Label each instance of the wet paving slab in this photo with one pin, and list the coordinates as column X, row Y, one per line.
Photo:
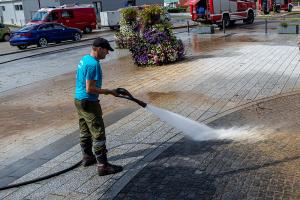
column 34, row 107
column 263, row 165
column 209, row 82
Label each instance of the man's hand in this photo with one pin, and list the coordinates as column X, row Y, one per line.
column 113, row 92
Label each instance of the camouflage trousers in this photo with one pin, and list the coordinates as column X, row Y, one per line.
column 91, row 125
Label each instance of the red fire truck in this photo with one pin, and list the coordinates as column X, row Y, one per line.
column 275, row 5
column 217, row 11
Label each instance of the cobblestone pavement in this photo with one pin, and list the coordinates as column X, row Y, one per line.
column 263, row 166
column 200, row 88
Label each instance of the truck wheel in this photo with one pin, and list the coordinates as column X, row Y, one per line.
column 226, row 21
column 43, row 42
column 22, row 47
column 232, row 22
column 87, row 30
column 250, row 18
column 77, row 37
column 6, row 37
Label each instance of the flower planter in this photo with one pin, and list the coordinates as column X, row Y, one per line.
column 205, row 29
column 289, row 29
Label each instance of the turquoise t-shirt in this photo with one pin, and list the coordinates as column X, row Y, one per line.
column 88, row 69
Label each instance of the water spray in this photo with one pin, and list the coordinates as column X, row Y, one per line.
column 191, row 129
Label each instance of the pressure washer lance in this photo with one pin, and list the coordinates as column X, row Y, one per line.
column 122, row 93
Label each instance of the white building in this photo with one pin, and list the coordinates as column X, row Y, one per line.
column 19, row 12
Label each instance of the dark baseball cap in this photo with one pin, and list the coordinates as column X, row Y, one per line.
column 103, row 43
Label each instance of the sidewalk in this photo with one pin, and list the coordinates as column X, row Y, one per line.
column 200, row 88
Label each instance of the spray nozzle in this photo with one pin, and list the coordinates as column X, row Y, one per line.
column 123, row 93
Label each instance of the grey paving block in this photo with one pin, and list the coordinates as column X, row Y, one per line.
column 39, row 172
column 23, row 191
column 5, row 193
column 93, row 184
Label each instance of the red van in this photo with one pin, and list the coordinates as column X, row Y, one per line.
column 83, row 18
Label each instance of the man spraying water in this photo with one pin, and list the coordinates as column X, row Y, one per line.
column 88, row 88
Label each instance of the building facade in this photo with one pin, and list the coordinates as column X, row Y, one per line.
column 171, row 3
column 19, row 12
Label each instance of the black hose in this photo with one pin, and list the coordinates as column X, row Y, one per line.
column 41, row 178
column 122, row 93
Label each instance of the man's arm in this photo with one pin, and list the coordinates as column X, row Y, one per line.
column 92, row 89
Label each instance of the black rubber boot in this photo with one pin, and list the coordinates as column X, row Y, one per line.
column 88, row 158
column 105, row 168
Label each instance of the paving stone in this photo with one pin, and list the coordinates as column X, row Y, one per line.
column 22, row 192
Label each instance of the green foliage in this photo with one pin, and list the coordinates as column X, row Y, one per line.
column 177, row 10
column 129, row 28
column 284, row 24
column 151, row 15
column 129, row 14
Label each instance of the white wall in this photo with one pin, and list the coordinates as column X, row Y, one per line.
column 12, row 16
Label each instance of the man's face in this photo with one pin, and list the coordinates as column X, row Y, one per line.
column 101, row 53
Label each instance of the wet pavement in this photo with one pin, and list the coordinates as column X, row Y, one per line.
column 220, row 73
column 263, row 166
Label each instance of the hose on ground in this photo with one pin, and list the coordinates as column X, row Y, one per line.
column 41, row 178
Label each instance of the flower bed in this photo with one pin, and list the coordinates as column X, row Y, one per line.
column 129, row 28
column 157, row 47
column 152, row 42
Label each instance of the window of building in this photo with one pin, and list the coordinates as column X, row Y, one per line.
column 67, row 14
column 3, row 8
column 98, row 6
column 18, row 7
column 131, row 3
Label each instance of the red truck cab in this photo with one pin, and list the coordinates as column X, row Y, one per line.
column 269, row 5
column 83, row 18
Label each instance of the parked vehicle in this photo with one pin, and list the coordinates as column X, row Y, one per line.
column 83, row 18
column 42, row 34
column 110, row 19
column 4, row 32
column 219, row 11
column 275, row 5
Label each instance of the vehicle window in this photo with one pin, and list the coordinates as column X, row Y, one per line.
column 39, row 16
column 28, row 28
column 54, row 16
column 58, row 26
column 67, row 14
column 46, row 27
column 1, row 25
